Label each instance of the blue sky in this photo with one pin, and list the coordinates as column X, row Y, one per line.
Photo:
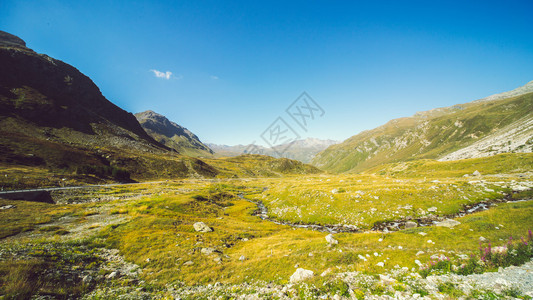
column 237, row 65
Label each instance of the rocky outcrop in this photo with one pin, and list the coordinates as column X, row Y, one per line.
column 172, row 135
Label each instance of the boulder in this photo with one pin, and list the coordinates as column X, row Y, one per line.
column 207, row 251
column 113, row 275
column 301, row 275
column 448, row 223
column 476, row 173
column 201, row 227
column 331, row 240
column 410, row 224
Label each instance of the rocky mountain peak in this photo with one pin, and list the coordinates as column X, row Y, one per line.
column 10, row 40
column 171, row 134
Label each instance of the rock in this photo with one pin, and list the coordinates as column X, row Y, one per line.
column 326, row 272
column 420, row 253
column 410, row 224
column 242, row 258
column 113, row 275
column 201, row 227
column 331, row 240
column 207, row 251
column 418, row 262
column 380, row 264
column 386, row 279
column 301, row 275
column 422, row 233
column 188, row 263
column 476, row 173
column 87, row 279
column 432, row 209
column 7, row 206
column 334, row 191
column 482, row 239
column 217, row 259
column 448, row 223
column 361, row 257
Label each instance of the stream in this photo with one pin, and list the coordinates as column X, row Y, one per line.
column 388, row 226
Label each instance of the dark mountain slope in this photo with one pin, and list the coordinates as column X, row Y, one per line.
column 172, row 135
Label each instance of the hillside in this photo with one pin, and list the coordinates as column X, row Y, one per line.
column 56, row 128
column 488, row 127
column 301, row 150
column 172, row 135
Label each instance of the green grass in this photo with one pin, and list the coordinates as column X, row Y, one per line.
column 429, row 135
column 157, row 231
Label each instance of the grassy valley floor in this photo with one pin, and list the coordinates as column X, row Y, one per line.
column 139, row 241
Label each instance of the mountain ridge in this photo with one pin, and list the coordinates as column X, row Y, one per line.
column 301, row 150
column 433, row 134
column 171, row 134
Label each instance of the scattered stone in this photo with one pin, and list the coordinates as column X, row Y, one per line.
column 361, row 257
column 380, row 264
column 420, row 253
column 207, row 251
column 7, row 207
column 217, row 259
column 326, row 272
column 410, row 224
column 476, row 173
column 448, row 223
column 482, row 239
column 202, row 227
column 432, row 209
column 418, row 262
column 188, row 263
column 113, row 275
column 386, row 279
column 242, row 258
column 331, row 240
column 87, row 279
column 334, row 191
column 422, row 233
column 301, row 275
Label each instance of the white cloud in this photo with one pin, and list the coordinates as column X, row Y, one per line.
column 214, row 77
column 166, row 75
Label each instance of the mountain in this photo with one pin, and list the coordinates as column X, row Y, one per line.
column 496, row 124
column 301, row 150
column 172, row 135
column 56, row 128
column 52, row 115
column 525, row 89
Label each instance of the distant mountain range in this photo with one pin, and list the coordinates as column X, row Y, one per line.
column 302, row 150
column 500, row 123
column 172, row 135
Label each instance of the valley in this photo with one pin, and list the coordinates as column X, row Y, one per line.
column 100, row 203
